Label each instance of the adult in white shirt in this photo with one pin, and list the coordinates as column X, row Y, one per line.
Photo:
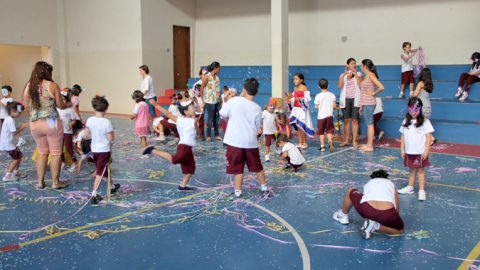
column 378, row 204
column 245, row 118
column 147, row 89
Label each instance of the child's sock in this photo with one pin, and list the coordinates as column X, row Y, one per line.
column 15, row 172
column 238, row 193
column 264, row 187
column 376, row 227
column 94, row 193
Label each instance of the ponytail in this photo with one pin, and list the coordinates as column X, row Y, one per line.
column 370, row 66
column 213, row 66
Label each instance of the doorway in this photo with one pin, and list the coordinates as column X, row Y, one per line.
column 181, row 56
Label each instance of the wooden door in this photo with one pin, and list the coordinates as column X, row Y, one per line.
column 181, row 56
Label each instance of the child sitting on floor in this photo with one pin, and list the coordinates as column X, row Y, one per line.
column 14, row 109
column 378, row 204
column 101, row 131
column 290, row 153
column 186, row 126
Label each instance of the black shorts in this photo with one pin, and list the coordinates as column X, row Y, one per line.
column 350, row 111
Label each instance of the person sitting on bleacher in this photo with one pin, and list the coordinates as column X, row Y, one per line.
column 468, row 78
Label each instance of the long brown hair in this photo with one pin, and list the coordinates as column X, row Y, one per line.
column 41, row 71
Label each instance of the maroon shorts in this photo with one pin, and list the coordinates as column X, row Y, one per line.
column 415, row 161
column 268, row 139
column 184, row 156
column 237, row 157
column 293, row 165
column 15, row 154
column 101, row 161
column 407, row 77
column 389, row 217
column 168, row 125
column 325, row 125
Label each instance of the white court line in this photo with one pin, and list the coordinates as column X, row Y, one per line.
column 331, row 154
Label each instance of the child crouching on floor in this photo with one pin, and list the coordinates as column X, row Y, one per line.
column 290, row 153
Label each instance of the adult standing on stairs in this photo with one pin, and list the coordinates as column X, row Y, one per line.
column 147, row 89
column 210, row 92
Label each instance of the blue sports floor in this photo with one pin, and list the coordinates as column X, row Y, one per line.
column 150, row 225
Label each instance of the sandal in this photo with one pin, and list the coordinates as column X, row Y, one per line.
column 59, row 185
column 218, row 138
column 39, row 186
column 343, row 144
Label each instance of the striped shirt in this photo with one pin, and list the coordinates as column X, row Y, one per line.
column 365, row 97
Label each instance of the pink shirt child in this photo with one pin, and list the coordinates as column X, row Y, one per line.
column 142, row 128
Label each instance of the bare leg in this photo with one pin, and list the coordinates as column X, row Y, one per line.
column 354, row 132
column 143, row 141
column 185, row 179
column 261, row 177
column 322, row 139
column 402, row 87
column 389, row 230
column 13, row 165
column 347, row 203
column 267, row 150
column 411, row 178
column 347, row 131
column 421, row 178
column 369, row 146
column 411, row 87
column 162, row 154
column 238, row 178
column 41, row 166
column 55, row 165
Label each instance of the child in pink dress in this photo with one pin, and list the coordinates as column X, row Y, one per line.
column 140, row 114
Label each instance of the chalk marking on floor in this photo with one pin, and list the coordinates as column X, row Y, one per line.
column 472, row 256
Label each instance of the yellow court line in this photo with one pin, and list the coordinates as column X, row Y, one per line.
column 472, row 256
column 453, row 186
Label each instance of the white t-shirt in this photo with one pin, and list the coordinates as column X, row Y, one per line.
column 6, row 136
column 475, row 68
column 156, row 121
column 147, row 87
column 379, row 189
column 186, row 130
column 415, row 138
column 81, row 136
column 67, row 116
column 325, row 101
column 269, row 125
column 407, row 66
column 174, row 110
column 3, row 107
column 379, row 107
column 99, row 128
column 244, row 121
column 296, row 157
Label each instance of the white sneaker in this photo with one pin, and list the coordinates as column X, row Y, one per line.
column 9, row 177
column 267, row 158
column 341, row 217
column 464, row 96
column 380, row 135
column 459, row 92
column 411, row 94
column 400, row 95
column 369, row 226
column 422, row 196
column 73, row 168
column 21, row 142
column 406, row 190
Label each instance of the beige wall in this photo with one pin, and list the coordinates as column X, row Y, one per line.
column 374, row 28
column 105, row 50
column 158, row 19
column 33, row 23
column 16, row 63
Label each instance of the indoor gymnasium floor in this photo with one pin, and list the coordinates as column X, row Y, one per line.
column 150, row 225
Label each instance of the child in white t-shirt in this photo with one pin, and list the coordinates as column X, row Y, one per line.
column 377, row 115
column 415, row 146
column 290, row 153
column 83, row 143
column 14, row 109
column 244, row 117
column 5, row 99
column 100, row 129
column 269, row 128
column 68, row 118
column 186, row 126
column 325, row 102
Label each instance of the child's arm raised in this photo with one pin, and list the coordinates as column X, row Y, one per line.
column 162, row 110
